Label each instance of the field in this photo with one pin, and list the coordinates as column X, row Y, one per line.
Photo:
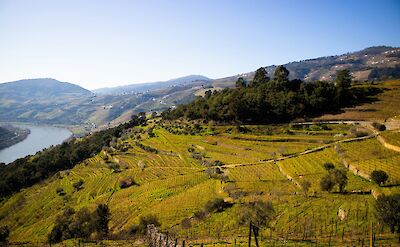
column 177, row 167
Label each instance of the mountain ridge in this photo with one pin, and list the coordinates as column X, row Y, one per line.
column 371, row 63
column 142, row 87
column 41, row 88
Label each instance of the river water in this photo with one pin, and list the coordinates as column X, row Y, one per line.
column 40, row 137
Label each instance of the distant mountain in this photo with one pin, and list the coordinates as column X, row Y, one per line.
column 39, row 88
column 373, row 63
column 145, row 87
column 53, row 102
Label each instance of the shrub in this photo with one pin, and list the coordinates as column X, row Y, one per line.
column 358, row 133
column 78, row 185
column 102, row 218
column 387, row 209
column 72, row 225
column 216, row 205
column 305, row 186
column 127, row 182
column 114, row 167
column 259, row 213
column 4, row 233
column 327, row 183
column 340, row 178
column 329, row 166
column 185, row 223
column 379, row 176
column 379, row 126
column 141, row 228
column 335, row 177
column 60, row 191
column 218, row 163
column 201, row 214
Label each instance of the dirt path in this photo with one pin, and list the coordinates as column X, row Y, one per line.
column 387, row 145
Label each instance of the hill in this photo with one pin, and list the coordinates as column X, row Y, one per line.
column 9, row 135
column 149, row 86
column 48, row 101
column 204, row 181
column 373, row 63
column 51, row 102
column 43, row 88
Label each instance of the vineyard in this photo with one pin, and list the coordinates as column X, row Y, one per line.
column 173, row 175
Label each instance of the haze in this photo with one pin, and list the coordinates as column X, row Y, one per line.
column 110, row 43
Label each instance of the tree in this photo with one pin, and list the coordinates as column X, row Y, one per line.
column 141, row 228
column 102, row 219
column 388, row 211
column 260, row 213
column 329, row 166
column 241, row 82
column 281, row 74
column 327, row 183
column 340, row 178
column 379, row 177
column 343, row 83
column 305, row 186
column 4, row 233
column 260, row 77
column 82, row 224
column 343, row 79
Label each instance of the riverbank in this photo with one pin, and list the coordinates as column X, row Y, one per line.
column 40, row 137
column 11, row 135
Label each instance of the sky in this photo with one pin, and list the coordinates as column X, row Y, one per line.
column 98, row 43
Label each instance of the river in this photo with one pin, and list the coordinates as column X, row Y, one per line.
column 40, row 137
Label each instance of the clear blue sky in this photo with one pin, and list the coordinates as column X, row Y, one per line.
column 97, row 43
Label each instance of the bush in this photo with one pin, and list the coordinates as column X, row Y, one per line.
column 387, row 209
column 327, row 183
column 218, row 163
column 4, row 233
column 185, row 223
column 379, row 177
column 335, row 177
column 127, row 182
column 141, row 228
column 340, row 178
column 216, row 205
column 114, row 167
column 305, row 186
column 259, row 213
column 78, row 185
column 379, row 126
column 60, row 191
column 200, row 214
column 329, row 166
column 102, row 218
column 73, row 225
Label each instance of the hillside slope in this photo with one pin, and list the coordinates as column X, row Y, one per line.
column 43, row 88
column 144, row 87
column 373, row 63
column 179, row 167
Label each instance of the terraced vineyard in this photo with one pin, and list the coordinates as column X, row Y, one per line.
column 370, row 155
column 174, row 179
column 393, row 137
